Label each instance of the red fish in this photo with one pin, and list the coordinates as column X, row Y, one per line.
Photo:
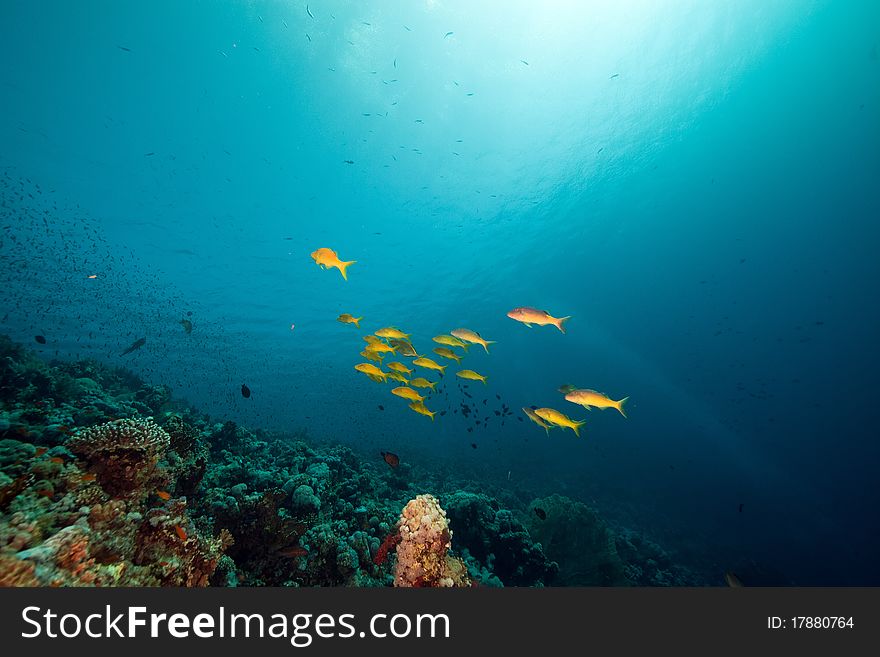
column 164, row 495
column 181, row 533
column 293, row 551
column 391, row 459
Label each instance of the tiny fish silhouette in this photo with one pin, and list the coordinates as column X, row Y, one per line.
column 245, row 391
column 40, row 339
column 137, row 344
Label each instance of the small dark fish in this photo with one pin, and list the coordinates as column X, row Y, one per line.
column 187, row 325
column 124, row 48
column 614, row 76
column 740, row 507
column 474, row 445
column 442, row 413
column 245, row 391
column 390, row 458
column 348, row 161
column 40, row 339
column 448, row 34
column 470, row 429
column 309, row 12
column 519, row 418
column 524, row 62
column 540, row 513
column 308, row 37
column 497, row 396
column 566, row 388
column 137, row 344
column 149, row 154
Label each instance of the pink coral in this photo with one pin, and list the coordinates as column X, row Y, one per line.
column 423, row 557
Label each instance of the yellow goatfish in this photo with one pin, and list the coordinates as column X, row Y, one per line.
column 404, row 347
column 471, row 336
column 530, row 413
column 446, row 352
column 397, row 376
column 529, row 316
column 345, row 318
column 327, row 258
column 421, row 409
column 559, row 419
column 471, row 375
column 372, row 355
column 421, row 382
column 380, row 347
column 399, row 367
column 370, row 370
column 588, row 398
column 391, row 332
column 450, row 341
column 407, row 393
column 429, row 364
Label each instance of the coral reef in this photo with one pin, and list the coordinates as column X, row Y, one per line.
column 576, row 538
column 423, row 558
column 108, row 481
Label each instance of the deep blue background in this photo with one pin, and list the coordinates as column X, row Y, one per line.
column 696, row 183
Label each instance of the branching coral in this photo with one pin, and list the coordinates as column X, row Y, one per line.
column 423, row 557
column 123, row 454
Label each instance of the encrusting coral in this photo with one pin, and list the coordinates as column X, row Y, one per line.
column 124, row 454
column 423, row 558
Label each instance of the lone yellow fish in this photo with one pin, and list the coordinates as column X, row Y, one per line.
column 529, row 316
column 345, row 318
column 327, row 258
column 429, row 364
column 537, row 420
column 450, row 341
column 420, row 382
column 590, row 398
column 559, row 419
column 421, row 409
column 370, row 370
column 407, row 393
column 391, row 332
column 446, row 352
column 471, row 375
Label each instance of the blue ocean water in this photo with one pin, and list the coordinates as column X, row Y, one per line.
column 695, row 183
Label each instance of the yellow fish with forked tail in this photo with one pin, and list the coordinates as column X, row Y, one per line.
column 529, row 316
column 328, row 259
column 559, row 419
column 588, row 398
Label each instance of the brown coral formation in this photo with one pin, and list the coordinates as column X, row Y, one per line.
column 423, row 558
column 123, row 454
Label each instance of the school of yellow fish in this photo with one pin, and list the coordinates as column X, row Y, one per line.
column 391, row 340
